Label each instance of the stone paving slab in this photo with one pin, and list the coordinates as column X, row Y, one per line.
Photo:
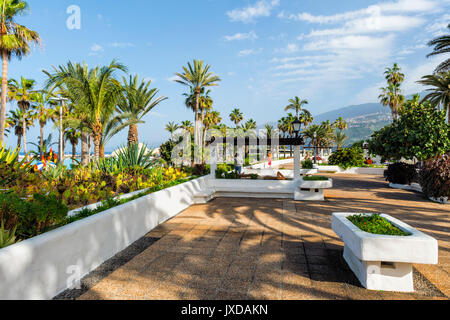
column 238, row 249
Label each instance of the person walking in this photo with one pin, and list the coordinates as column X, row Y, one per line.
column 238, row 162
column 269, row 158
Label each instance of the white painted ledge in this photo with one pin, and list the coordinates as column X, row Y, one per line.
column 40, row 267
column 383, row 262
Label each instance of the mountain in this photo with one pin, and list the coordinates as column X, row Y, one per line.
column 362, row 119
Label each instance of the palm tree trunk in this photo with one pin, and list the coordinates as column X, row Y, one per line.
column 74, row 151
column 133, row 137
column 24, row 134
column 96, row 146
column 102, row 151
column 19, row 142
column 41, row 142
column 197, row 141
column 4, row 95
column 84, row 149
column 89, row 147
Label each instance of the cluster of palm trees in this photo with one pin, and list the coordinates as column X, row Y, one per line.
column 98, row 106
column 438, row 83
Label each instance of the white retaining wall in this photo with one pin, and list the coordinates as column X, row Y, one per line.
column 40, row 267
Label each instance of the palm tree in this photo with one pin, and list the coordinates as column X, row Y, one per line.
column 94, row 91
column 171, row 127
column 341, row 124
column 73, row 136
column 340, row 139
column 306, row 118
column 391, row 95
column 188, row 126
column 296, row 104
column 269, row 130
column 250, row 125
column 137, row 101
column 15, row 40
column 440, row 93
column 15, row 120
column 441, row 46
column 24, row 94
column 43, row 115
column 197, row 77
column 236, row 117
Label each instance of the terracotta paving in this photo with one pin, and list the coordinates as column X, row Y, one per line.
column 273, row 249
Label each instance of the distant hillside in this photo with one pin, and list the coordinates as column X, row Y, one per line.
column 362, row 119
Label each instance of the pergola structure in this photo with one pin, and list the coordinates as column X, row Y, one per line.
column 257, row 141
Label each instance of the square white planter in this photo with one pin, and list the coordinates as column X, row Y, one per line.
column 312, row 190
column 305, row 172
column 384, row 262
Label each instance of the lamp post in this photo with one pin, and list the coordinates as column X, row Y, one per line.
column 61, row 101
column 297, row 126
column 315, row 147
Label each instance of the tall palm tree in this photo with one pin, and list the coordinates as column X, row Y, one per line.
column 236, row 117
column 440, row 93
column 269, row 130
column 392, row 95
column 250, row 125
column 441, row 46
column 43, row 115
column 73, row 136
column 15, row 120
column 96, row 91
column 340, row 139
column 188, row 126
column 197, row 77
column 137, row 101
column 341, row 124
column 171, row 127
column 306, row 118
column 24, row 94
column 15, row 40
column 296, row 104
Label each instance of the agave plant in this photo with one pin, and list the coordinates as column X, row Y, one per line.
column 127, row 157
column 7, row 238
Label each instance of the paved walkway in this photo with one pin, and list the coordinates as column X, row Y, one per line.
column 270, row 249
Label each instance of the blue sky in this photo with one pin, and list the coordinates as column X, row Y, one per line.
column 332, row 53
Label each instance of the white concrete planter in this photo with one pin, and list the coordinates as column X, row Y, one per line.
column 305, row 172
column 384, row 262
column 337, row 169
column 44, row 266
column 243, row 188
column 312, row 190
column 410, row 187
column 442, row 200
column 289, row 174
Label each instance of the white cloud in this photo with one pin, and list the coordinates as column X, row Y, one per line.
column 400, row 6
column 262, row 8
column 242, row 36
column 172, row 78
column 248, row 52
column 353, row 42
column 439, row 27
column 290, row 48
column 121, row 45
column 96, row 49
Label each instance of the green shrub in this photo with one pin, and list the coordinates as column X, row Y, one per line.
column 375, row 224
column 254, row 176
column 401, row 173
column 347, row 158
column 315, row 178
column 307, row 164
column 435, row 177
column 31, row 218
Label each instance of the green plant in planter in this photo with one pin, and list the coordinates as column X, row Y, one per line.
column 307, row 164
column 376, row 224
column 254, row 176
column 347, row 158
column 401, row 173
column 315, row 178
column 435, row 177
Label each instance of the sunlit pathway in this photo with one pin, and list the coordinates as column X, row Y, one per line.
column 268, row 249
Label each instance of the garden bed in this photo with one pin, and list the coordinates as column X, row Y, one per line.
column 43, row 266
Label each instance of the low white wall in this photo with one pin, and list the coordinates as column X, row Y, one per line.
column 39, row 268
column 265, row 165
column 337, row 169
